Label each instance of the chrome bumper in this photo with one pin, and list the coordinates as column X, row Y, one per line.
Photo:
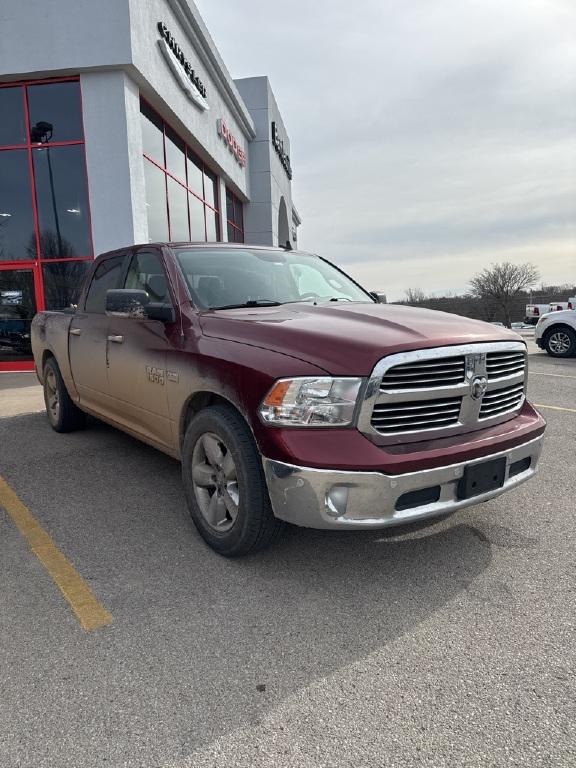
column 319, row 498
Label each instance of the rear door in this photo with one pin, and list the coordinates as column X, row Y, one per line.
column 88, row 333
column 137, row 350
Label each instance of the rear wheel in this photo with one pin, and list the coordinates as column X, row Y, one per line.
column 63, row 414
column 224, row 484
column 560, row 342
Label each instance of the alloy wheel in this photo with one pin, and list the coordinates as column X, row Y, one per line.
column 559, row 342
column 215, row 482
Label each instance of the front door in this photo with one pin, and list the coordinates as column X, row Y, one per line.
column 137, row 350
column 17, row 308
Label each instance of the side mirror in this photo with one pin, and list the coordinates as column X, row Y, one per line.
column 379, row 296
column 125, row 302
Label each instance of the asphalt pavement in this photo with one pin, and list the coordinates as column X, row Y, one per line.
column 450, row 646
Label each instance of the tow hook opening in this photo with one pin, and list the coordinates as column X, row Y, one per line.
column 418, row 498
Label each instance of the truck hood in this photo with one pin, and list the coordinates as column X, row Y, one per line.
column 347, row 338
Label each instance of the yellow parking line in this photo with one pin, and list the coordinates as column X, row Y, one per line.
column 90, row 612
column 555, row 407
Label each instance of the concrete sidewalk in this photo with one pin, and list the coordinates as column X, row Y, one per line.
column 20, row 393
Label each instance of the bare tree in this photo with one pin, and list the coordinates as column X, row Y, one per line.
column 500, row 283
column 415, row 295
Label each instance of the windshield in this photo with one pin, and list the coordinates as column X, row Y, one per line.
column 222, row 278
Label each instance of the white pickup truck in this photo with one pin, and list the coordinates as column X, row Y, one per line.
column 556, row 333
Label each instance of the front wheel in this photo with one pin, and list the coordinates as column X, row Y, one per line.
column 560, row 342
column 224, row 484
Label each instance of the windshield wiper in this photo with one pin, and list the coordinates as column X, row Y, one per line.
column 251, row 303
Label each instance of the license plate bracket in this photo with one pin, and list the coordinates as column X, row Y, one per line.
column 481, row 478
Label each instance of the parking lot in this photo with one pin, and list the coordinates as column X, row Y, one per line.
column 450, row 646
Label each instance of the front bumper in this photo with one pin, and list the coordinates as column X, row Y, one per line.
column 331, row 499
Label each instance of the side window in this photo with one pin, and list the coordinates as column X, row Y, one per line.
column 106, row 276
column 146, row 273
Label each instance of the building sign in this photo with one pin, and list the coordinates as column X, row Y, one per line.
column 279, row 147
column 232, row 142
column 181, row 67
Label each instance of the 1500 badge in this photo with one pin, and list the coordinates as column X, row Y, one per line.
column 155, row 375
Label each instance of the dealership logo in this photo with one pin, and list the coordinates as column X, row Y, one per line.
column 183, row 71
column 231, row 141
column 279, row 147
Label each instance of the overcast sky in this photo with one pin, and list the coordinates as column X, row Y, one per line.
column 428, row 137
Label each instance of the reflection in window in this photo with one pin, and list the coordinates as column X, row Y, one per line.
column 197, row 227
column 61, row 195
column 106, row 277
column 12, row 124
column 55, row 112
column 152, row 134
column 178, row 207
column 210, row 194
column 234, row 218
column 187, row 210
column 17, row 308
column 156, row 202
column 175, row 158
column 62, row 283
column 195, row 175
column 212, row 234
column 17, row 239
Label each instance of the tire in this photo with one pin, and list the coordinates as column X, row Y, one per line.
column 560, row 341
column 63, row 414
column 224, row 484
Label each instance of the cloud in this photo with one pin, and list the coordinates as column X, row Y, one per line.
column 424, row 135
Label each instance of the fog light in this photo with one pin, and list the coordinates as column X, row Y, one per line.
column 337, row 500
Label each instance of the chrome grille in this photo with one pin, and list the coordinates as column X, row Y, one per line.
column 501, row 364
column 500, row 401
column 443, row 391
column 391, row 418
column 425, row 374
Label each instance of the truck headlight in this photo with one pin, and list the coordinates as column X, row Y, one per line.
column 311, row 402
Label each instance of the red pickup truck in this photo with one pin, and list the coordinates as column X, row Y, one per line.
column 287, row 391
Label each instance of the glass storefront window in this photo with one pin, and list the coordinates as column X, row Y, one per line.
column 17, row 237
column 152, row 134
column 212, row 233
column 181, row 192
column 210, row 193
column 197, row 226
column 45, row 233
column 156, row 202
column 195, row 175
column 62, row 199
column 12, row 124
column 175, row 156
column 234, row 218
column 177, row 205
column 55, row 112
column 17, row 308
column 62, row 283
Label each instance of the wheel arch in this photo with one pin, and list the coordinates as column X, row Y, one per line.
column 558, row 327
column 200, row 400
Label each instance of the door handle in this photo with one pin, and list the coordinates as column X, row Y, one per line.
column 116, row 339
column 75, row 331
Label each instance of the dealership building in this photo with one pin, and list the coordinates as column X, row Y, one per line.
column 120, row 124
